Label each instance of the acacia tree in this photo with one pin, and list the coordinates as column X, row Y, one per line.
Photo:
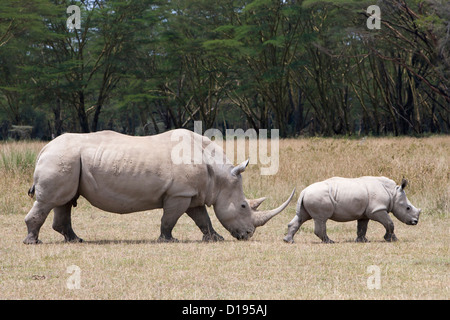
column 397, row 75
column 298, row 65
column 87, row 64
column 260, row 41
column 20, row 25
column 191, row 79
column 411, row 69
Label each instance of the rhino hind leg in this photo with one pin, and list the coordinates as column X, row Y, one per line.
column 361, row 230
column 295, row 225
column 202, row 220
column 34, row 221
column 320, row 230
column 62, row 222
column 173, row 208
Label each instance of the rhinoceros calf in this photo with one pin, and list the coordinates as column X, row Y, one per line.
column 361, row 199
column 124, row 174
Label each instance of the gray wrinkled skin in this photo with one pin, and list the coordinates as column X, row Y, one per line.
column 124, row 174
column 361, row 199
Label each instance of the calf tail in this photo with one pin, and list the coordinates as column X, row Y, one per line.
column 299, row 203
column 31, row 191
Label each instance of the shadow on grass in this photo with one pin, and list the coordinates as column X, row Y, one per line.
column 377, row 241
column 136, row 241
column 131, row 242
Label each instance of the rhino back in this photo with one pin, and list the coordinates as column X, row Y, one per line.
column 123, row 174
column 380, row 191
column 350, row 198
column 317, row 200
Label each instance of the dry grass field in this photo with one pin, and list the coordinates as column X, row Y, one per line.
column 120, row 258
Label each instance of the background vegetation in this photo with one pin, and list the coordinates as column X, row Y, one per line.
column 304, row 67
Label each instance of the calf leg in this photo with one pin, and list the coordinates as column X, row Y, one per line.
column 62, row 223
column 383, row 218
column 201, row 219
column 34, row 221
column 295, row 225
column 320, row 230
column 173, row 208
column 361, row 230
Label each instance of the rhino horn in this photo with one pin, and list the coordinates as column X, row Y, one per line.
column 255, row 203
column 240, row 168
column 260, row 218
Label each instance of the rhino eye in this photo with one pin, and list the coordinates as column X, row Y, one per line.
column 408, row 208
column 243, row 206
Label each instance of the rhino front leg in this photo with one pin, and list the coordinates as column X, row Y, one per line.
column 383, row 218
column 320, row 230
column 173, row 208
column 34, row 221
column 62, row 222
column 202, row 220
column 361, row 230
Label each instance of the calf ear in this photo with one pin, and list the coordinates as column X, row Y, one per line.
column 404, row 183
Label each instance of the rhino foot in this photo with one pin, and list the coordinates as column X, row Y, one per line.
column 361, row 239
column 28, row 240
column 163, row 239
column 327, row 240
column 212, row 237
column 288, row 239
column 74, row 240
column 390, row 237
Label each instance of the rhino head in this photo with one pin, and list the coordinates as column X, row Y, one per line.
column 236, row 213
column 402, row 209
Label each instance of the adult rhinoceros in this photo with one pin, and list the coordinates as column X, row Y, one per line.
column 124, row 174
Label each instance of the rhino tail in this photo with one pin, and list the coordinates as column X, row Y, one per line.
column 33, row 187
column 31, row 191
column 299, row 203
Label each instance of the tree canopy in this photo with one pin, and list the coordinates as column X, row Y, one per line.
column 303, row 67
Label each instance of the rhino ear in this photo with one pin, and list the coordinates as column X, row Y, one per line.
column 240, row 168
column 404, row 183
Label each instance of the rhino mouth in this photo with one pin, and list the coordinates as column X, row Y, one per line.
column 243, row 235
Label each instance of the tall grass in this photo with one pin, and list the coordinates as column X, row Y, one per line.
column 425, row 162
column 19, row 157
column 17, row 160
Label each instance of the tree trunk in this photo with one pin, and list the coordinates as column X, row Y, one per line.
column 58, row 118
column 98, row 108
column 82, row 116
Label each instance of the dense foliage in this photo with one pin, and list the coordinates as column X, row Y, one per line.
column 303, row 67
